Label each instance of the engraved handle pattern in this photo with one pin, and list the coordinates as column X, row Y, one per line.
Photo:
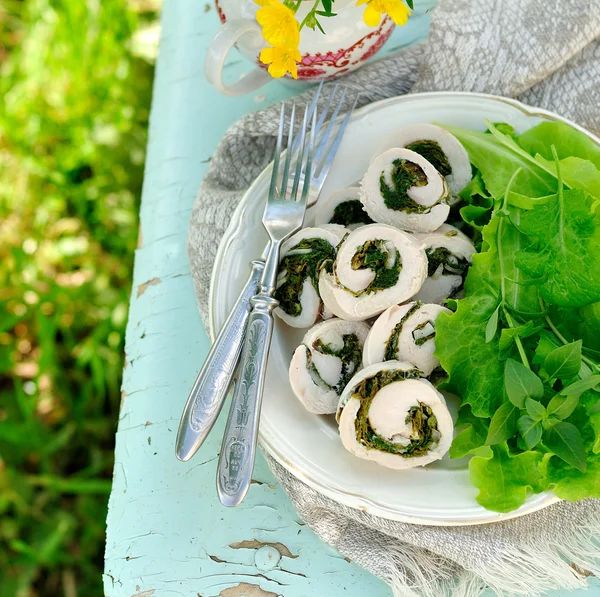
column 210, row 388
column 238, row 451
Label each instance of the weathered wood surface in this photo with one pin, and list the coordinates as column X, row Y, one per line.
column 167, row 532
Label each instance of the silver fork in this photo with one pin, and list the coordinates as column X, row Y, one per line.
column 284, row 215
column 210, row 388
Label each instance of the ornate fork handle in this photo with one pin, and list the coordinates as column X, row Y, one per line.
column 210, row 389
column 238, row 451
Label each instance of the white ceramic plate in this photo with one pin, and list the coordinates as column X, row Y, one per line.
column 308, row 445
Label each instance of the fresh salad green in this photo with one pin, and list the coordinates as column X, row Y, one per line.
column 522, row 349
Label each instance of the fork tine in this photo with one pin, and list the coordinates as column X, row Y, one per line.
column 326, row 109
column 311, row 110
column 300, row 158
column 288, row 155
column 278, row 146
column 309, row 159
column 326, row 164
column 330, row 125
column 313, row 104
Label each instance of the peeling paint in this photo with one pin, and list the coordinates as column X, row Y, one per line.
column 245, row 589
column 147, row 593
column 294, row 573
column 201, row 464
column 143, row 287
column 257, row 482
column 140, row 240
column 256, row 544
column 581, row 571
column 218, row 560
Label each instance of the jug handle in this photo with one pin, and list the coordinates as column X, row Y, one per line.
column 228, row 35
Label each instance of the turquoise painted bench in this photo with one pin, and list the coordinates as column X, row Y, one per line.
column 167, row 532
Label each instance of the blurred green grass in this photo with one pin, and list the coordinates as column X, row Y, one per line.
column 74, row 103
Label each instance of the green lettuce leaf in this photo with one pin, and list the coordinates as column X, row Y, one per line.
column 573, row 484
column 471, row 363
column 568, row 321
column 497, row 163
column 471, row 432
column 506, row 129
column 576, row 173
column 566, row 250
column 525, row 202
column 595, row 425
column 504, row 480
column 531, row 296
column 568, row 142
column 589, row 330
column 488, row 269
column 478, row 211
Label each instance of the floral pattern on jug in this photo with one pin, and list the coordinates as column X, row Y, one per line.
column 349, row 42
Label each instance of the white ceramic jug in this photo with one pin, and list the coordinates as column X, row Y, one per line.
column 347, row 44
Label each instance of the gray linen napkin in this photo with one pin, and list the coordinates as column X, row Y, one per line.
column 545, row 53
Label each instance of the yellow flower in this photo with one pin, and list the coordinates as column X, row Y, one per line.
column 279, row 25
column 396, row 9
column 281, row 60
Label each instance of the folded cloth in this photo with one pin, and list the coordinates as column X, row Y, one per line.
column 545, row 53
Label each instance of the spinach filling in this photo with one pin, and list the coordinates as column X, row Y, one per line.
column 350, row 212
column 434, row 154
column 404, row 175
column 452, row 265
column 374, row 255
column 302, row 261
column 391, row 346
column 350, row 355
column 424, row 432
column 423, row 332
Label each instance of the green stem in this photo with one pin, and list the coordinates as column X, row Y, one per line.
column 591, row 363
column 503, row 302
column 551, row 324
column 556, row 332
column 500, row 231
column 501, row 262
column 561, row 198
column 311, row 12
column 518, row 342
